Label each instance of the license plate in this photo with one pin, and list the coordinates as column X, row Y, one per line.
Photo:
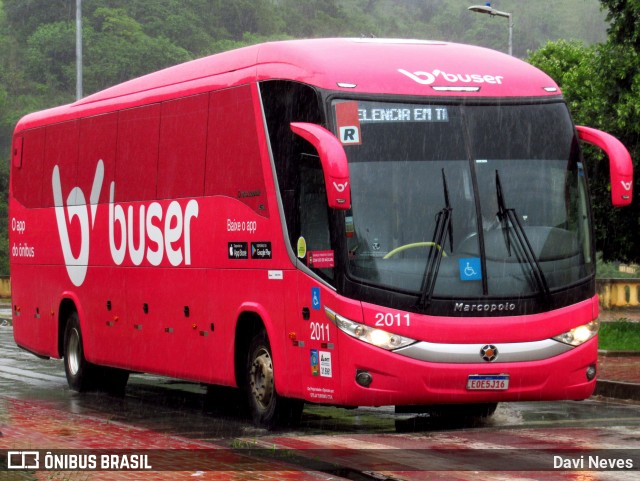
column 495, row 382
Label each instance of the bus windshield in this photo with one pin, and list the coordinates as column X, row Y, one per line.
column 464, row 200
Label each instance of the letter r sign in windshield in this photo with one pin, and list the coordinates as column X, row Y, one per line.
column 348, row 123
column 349, row 135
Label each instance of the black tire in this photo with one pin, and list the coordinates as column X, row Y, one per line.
column 485, row 410
column 268, row 409
column 82, row 375
column 80, row 372
column 112, row 380
column 452, row 411
column 226, row 400
column 465, row 411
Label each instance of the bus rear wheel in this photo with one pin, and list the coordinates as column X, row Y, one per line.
column 268, row 409
column 78, row 370
column 82, row 375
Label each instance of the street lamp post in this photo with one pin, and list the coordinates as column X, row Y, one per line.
column 78, row 49
column 489, row 10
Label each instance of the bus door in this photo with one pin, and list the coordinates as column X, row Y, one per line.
column 310, row 203
column 312, row 245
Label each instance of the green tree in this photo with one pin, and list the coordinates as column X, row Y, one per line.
column 117, row 49
column 623, row 18
column 50, row 56
column 602, row 87
column 25, row 16
column 189, row 24
column 620, row 78
column 315, row 18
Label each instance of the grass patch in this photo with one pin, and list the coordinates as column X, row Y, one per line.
column 622, row 335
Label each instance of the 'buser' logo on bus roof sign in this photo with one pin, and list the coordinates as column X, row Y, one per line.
column 428, row 78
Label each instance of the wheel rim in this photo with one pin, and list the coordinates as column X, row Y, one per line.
column 73, row 352
column 261, row 378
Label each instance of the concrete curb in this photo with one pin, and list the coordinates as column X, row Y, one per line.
column 617, row 389
column 602, row 352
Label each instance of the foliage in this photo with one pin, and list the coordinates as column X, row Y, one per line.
column 118, row 49
column 123, row 39
column 623, row 16
column 602, row 86
column 621, row 335
column 611, row 270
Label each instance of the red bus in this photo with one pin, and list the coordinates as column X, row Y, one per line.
column 339, row 221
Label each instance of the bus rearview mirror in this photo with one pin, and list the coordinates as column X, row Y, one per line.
column 620, row 165
column 334, row 162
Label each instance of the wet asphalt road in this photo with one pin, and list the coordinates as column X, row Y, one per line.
column 184, row 409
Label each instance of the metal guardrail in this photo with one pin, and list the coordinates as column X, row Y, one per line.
column 618, row 292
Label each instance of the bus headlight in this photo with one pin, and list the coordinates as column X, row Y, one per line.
column 376, row 337
column 579, row 335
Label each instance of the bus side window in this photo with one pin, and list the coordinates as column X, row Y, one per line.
column 312, row 207
column 183, row 146
column 61, row 150
column 98, row 137
column 31, row 168
column 137, row 153
column 285, row 102
column 234, row 160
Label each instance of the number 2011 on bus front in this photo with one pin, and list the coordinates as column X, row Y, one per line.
column 387, row 319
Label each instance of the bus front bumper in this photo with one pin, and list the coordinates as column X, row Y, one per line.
column 376, row 377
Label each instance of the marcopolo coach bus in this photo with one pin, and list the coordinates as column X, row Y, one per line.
column 340, row 221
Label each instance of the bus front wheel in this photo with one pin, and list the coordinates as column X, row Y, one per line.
column 268, row 409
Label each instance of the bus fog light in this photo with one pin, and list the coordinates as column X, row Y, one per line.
column 377, row 337
column 591, row 372
column 363, row 378
column 579, row 335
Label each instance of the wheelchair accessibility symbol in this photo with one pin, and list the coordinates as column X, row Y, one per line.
column 315, row 298
column 470, row 269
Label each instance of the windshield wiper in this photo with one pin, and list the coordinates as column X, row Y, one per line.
column 443, row 229
column 509, row 216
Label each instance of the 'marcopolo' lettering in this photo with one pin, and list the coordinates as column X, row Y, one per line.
column 480, row 307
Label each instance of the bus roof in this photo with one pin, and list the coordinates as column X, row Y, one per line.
column 368, row 66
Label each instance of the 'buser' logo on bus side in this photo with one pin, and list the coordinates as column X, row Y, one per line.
column 153, row 242
column 160, row 234
column 76, row 207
